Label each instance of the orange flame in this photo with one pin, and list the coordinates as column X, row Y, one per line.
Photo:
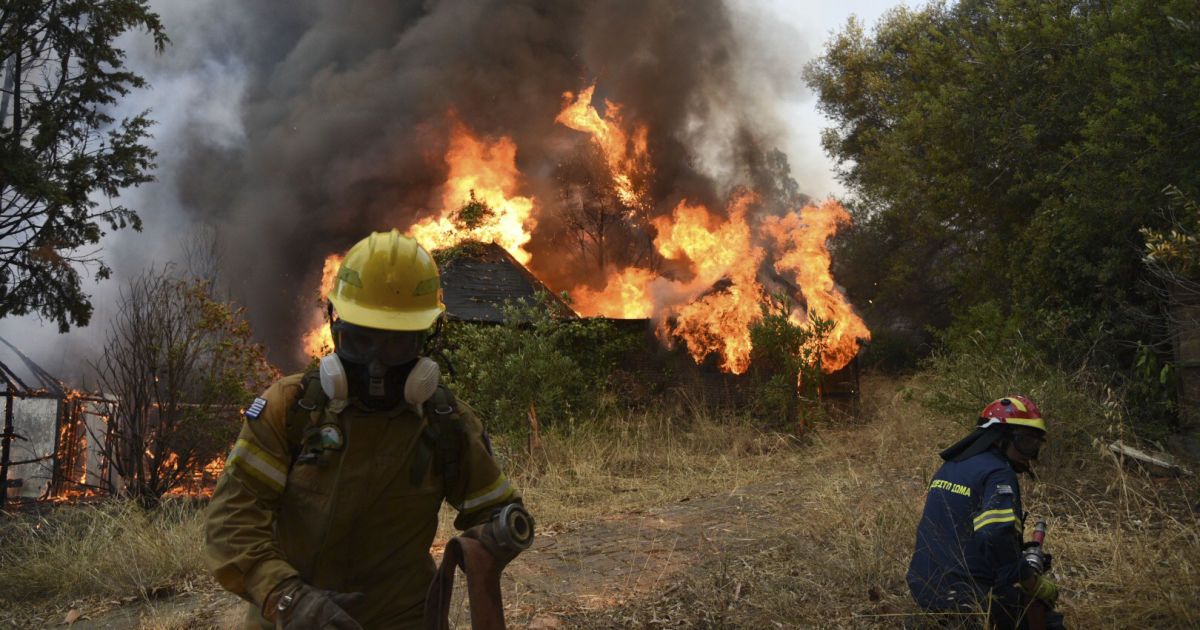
column 318, row 341
column 727, row 253
column 625, row 154
column 626, row 295
column 487, row 172
column 717, row 321
column 801, row 241
column 711, row 296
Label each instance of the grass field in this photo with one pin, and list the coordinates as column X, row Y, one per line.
column 824, row 541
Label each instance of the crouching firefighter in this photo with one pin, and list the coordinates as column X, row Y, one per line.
column 968, row 556
column 329, row 502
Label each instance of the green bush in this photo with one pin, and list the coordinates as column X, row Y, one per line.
column 534, row 359
column 787, row 362
column 973, row 367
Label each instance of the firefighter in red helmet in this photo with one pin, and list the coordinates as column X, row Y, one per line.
column 968, row 555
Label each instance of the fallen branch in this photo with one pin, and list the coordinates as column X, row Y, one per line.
column 1159, row 460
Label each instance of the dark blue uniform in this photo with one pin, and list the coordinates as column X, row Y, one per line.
column 969, row 539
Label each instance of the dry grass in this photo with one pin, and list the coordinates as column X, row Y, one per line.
column 824, row 540
column 641, row 460
column 1126, row 545
column 112, row 550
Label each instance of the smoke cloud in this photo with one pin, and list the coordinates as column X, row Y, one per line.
column 294, row 127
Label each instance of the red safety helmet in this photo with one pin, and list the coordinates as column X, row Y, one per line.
column 1012, row 410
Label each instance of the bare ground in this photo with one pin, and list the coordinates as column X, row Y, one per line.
column 571, row 574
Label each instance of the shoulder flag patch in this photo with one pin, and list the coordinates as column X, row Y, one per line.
column 256, row 408
column 1004, row 489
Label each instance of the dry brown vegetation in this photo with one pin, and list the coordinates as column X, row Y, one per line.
column 692, row 518
column 836, row 550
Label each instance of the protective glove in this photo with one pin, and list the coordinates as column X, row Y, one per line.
column 1044, row 590
column 486, row 535
column 302, row 607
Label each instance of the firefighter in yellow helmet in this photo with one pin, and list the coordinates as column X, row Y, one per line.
column 328, row 505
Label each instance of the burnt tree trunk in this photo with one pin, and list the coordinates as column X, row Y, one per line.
column 5, row 450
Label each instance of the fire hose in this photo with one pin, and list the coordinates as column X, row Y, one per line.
column 512, row 529
column 1036, row 611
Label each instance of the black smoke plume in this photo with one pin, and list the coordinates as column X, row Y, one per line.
column 347, row 109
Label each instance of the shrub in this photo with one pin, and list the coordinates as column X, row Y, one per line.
column 787, row 361
column 974, row 367
column 558, row 366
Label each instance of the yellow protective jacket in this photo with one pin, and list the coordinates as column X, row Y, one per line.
column 360, row 516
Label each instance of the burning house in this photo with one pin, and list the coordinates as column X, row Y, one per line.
column 699, row 277
column 55, row 438
column 635, row 168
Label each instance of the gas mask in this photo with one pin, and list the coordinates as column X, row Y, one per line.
column 380, row 368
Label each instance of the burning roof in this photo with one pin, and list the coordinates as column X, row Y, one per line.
column 478, row 280
column 21, row 376
column 702, row 279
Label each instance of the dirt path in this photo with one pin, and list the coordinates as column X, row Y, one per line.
column 581, row 569
column 601, row 564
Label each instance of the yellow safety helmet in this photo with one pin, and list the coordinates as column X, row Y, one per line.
column 389, row 282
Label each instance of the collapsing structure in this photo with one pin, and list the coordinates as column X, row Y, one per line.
column 55, row 440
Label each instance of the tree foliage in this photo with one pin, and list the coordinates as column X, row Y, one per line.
column 1008, row 151
column 180, row 362
column 63, row 158
column 473, row 213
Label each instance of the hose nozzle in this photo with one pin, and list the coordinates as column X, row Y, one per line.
column 513, row 527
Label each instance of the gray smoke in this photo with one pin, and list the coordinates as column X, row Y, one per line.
column 294, row 127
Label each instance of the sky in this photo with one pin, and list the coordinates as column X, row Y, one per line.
column 815, row 21
column 178, row 104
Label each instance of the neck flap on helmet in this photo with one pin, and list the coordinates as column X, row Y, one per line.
column 978, row 441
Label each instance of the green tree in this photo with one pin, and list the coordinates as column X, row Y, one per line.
column 1008, row 151
column 63, row 158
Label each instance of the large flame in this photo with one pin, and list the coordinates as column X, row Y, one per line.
column 712, row 312
column 718, row 321
column 800, row 239
column 624, row 153
column 483, row 171
column 712, row 291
